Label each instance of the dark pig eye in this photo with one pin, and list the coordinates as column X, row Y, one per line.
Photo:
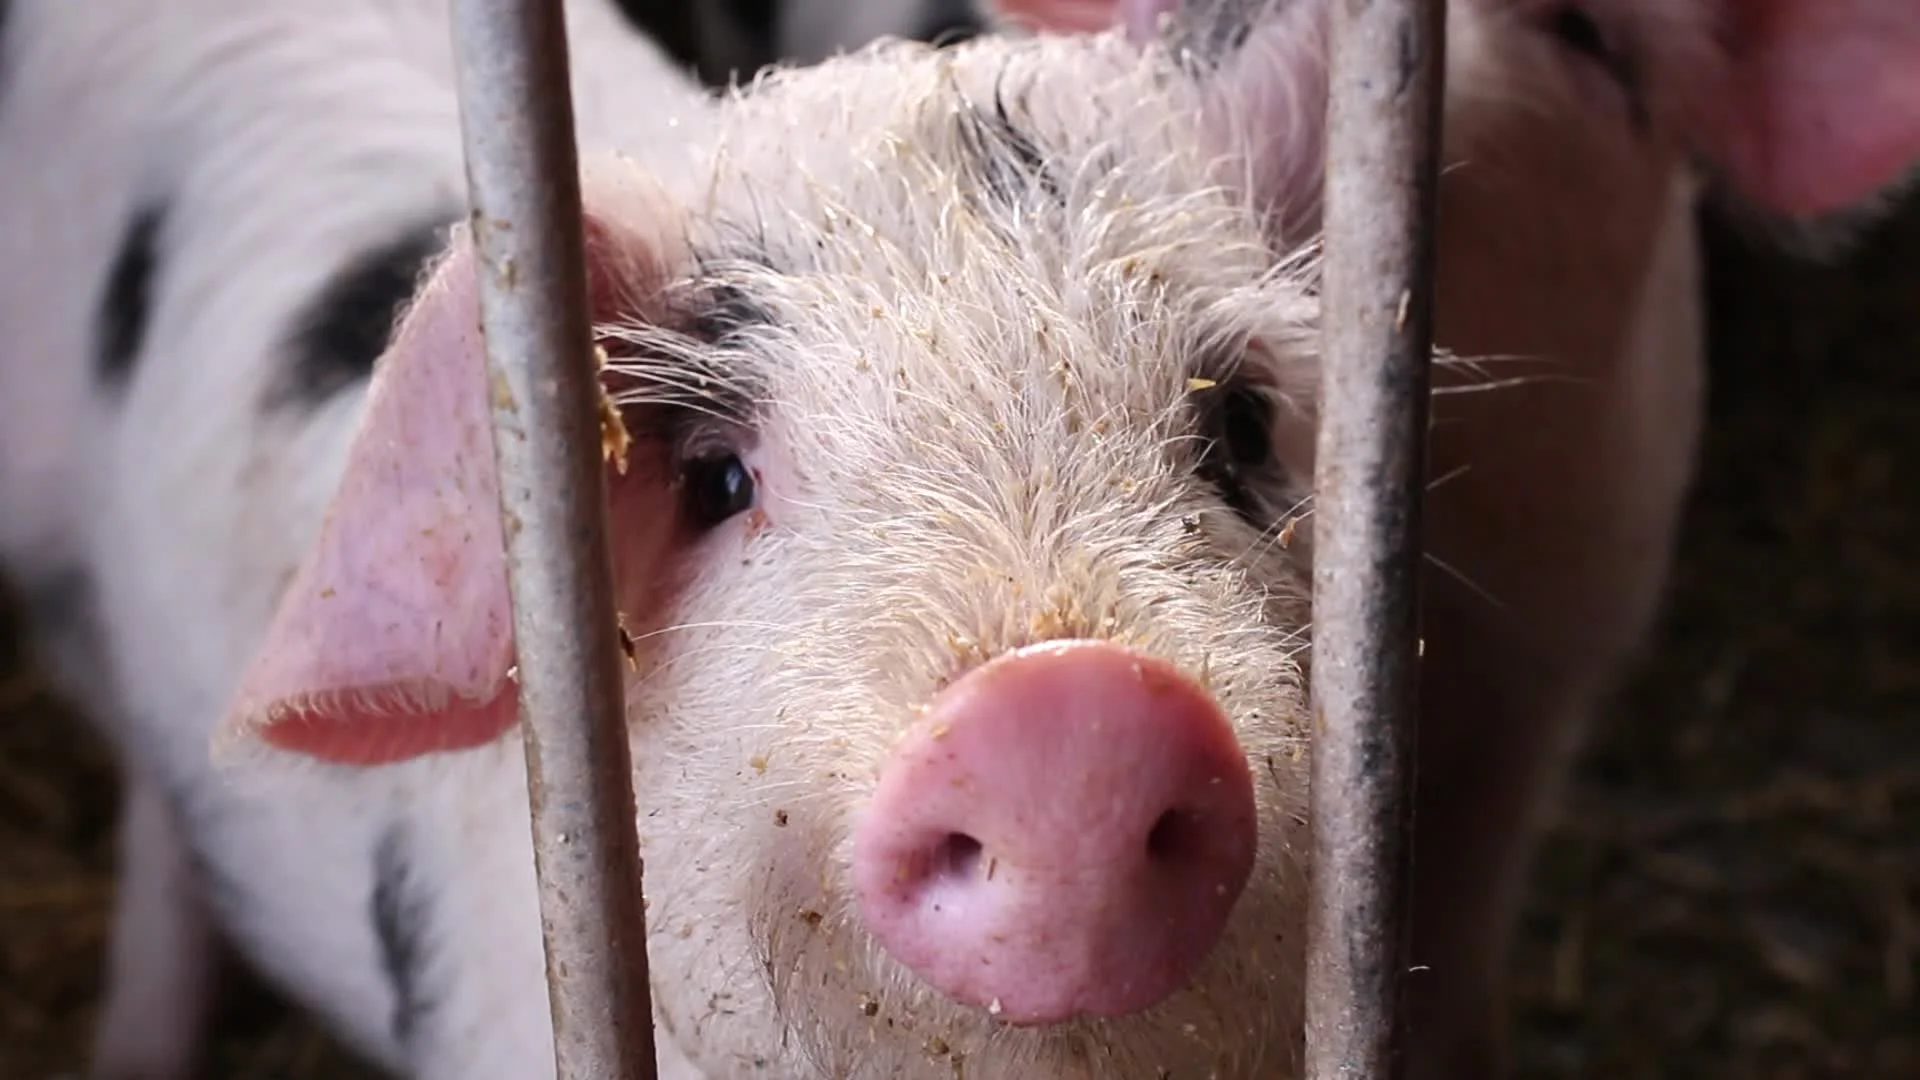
column 1238, row 426
column 1247, row 429
column 716, row 488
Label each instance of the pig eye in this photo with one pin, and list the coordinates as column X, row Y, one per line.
column 1244, row 421
column 1239, row 432
column 716, row 488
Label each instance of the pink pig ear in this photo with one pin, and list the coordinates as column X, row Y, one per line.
column 394, row 637
column 1819, row 106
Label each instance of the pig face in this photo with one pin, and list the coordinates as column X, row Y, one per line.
column 1039, row 402
column 971, row 405
column 955, row 542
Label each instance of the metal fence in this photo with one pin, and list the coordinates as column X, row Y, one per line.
column 1383, row 140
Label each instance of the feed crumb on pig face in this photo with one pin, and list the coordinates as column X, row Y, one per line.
column 614, row 437
column 969, row 363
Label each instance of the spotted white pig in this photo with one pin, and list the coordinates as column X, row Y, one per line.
column 972, row 396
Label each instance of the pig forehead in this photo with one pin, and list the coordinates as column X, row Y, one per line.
column 1040, row 154
column 1002, row 210
column 1089, row 87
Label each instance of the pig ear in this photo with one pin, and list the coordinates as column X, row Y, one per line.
column 1819, row 107
column 394, row 637
column 1140, row 17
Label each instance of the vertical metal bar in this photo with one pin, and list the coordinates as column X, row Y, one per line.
column 516, row 113
column 1386, row 67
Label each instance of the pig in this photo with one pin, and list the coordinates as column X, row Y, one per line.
column 962, row 539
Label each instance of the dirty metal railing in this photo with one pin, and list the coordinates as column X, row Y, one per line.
column 1383, row 136
column 523, row 179
column 1383, row 139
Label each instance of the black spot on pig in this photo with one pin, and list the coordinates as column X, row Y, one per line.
column 62, row 611
column 723, row 316
column 726, row 313
column 1002, row 156
column 1204, row 34
column 126, row 303
column 399, row 916
column 342, row 331
column 699, row 387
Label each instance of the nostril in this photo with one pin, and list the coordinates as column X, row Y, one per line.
column 958, row 857
column 1170, row 836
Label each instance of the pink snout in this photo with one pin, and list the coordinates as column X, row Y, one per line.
column 1064, row 833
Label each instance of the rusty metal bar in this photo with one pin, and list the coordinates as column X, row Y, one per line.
column 516, row 112
column 1386, row 66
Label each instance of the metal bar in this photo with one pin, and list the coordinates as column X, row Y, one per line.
column 523, row 179
column 1386, row 65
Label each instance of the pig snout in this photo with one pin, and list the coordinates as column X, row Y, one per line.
column 1064, row 833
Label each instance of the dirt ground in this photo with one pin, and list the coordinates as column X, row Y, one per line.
column 1735, row 891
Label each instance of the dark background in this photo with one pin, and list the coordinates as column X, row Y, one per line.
column 1734, row 890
